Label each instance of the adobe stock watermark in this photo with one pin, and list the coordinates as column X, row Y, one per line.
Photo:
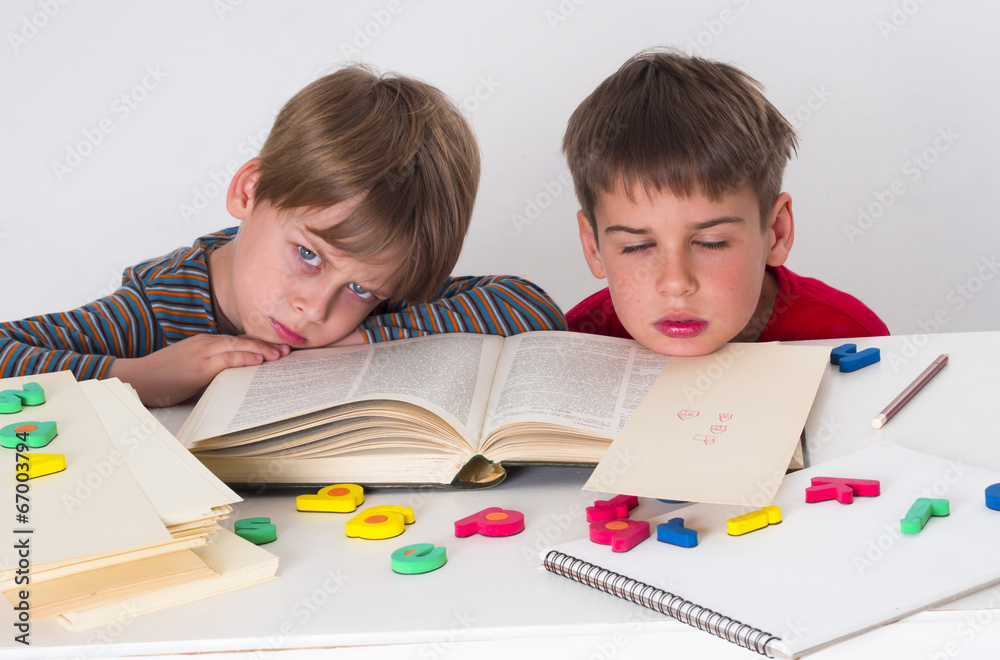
column 879, row 547
column 552, row 190
column 551, row 529
column 460, row 624
column 484, row 89
column 900, row 15
column 714, row 28
column 721, row 363
column 957, row 297
column 85, row 486
column 563, row 182
column 218, row 179
column 331, row 582
column 562, row 13
column 366, row 34
column 913, row 169
column 766, row 490
column 225, row 7
column 969, row 628
column 818, row 97
column 100, row 640
column 32, row 24
column 121, row 108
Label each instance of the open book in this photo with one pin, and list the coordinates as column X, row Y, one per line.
column 443, row 409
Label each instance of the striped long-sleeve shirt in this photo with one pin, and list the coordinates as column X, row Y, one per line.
column 162, row 301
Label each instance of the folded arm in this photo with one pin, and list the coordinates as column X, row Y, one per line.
column 493, row 304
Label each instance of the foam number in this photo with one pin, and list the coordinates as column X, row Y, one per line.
column 40, row 465
column 493, row 521
column 751, row 522
column 31, row 394
column 338, row 498
column 380, row 522
column 921, row 511
column 32, row 434
column 418, row 558
column 256, row 530
column 617, row 507
column 621, row 535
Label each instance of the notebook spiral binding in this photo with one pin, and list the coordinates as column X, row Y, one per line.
column 662, row 601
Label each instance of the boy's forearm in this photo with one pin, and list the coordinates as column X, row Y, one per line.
column 20, row 359
column 496, row 305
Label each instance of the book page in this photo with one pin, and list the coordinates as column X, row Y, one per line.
column 572, row 379
column 717, row 428
column 448, row 374
column 175, row 490
column 93, row 508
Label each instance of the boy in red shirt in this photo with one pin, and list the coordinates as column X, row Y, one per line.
column 677, row 162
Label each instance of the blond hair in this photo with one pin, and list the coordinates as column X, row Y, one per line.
column 667, row 121
column 399, row 143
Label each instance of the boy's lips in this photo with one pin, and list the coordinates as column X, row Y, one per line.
column 287, row 335
column 680, row 327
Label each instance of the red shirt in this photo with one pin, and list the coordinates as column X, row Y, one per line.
column 804, row 308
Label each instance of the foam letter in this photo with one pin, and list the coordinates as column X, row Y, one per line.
column 338, row 498
column 380, row 522
column 31, row 394
column 418, row 558
column 256, row 530
column 844, row 490
column 493, row 521
column 617, row 507
column 32, row 434
column 621, row 535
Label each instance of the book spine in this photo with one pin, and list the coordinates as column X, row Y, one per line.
column 662, row 601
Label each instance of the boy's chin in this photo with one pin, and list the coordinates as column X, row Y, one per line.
column 680, row 347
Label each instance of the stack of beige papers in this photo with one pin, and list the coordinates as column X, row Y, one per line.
column 133, row 520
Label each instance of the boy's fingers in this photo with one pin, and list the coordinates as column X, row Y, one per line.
column 246, row 345
column 229, row 359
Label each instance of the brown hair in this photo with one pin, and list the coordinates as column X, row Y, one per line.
column 667, row 121
column 398, row 142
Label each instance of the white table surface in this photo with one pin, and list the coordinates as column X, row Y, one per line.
column 337, row 597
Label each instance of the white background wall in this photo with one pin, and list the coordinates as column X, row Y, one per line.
column 896, row 104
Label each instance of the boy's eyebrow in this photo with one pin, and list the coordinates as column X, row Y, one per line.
column 698, row 226
column 708, row 224
column 626, row 230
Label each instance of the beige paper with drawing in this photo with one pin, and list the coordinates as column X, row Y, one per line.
column 718, row 428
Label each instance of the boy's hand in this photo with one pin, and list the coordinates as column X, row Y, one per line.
column 179, row 371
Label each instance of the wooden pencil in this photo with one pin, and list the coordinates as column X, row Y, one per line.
column 910, row 390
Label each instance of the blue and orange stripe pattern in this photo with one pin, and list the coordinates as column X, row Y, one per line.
column 164, row 300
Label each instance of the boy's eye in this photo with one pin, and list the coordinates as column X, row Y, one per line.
column 360, row 291
column 310, row 257
column 632, row 249
column 714, row 245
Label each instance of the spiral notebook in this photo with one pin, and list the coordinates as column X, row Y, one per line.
column 827, row 572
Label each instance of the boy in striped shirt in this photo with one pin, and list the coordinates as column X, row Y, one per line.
column 355, row 210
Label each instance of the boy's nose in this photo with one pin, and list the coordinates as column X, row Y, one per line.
column 314, row 305
column 675, row 278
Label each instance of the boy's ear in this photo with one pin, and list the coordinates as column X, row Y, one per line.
column 781, row 230
column 239, row 198
column 590, row 250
